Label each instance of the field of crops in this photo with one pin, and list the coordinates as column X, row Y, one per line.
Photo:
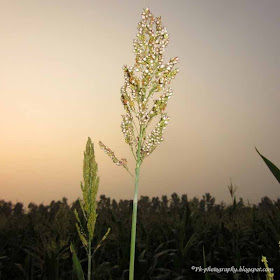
column 34, row 242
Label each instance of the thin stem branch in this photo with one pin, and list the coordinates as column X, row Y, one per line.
column 135, row 126
column 151, row 91
column 128, row 171
column 133, row 153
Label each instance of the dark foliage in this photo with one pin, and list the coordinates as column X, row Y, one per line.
column 171, row 234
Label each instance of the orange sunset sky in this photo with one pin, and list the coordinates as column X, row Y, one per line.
column 60, row 78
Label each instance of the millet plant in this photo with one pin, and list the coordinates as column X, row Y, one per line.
column 88, row 206
column 149, row 76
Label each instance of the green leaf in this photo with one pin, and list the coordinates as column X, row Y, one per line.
column 207, row 277
column 273, row 168
column 103, row 238
column 76, row 264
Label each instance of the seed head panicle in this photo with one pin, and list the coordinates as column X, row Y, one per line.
column 89, row 188
column 88, row 206
column 269, row 275
column 148, row 76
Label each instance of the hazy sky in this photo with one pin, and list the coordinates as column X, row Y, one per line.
column 60, row 78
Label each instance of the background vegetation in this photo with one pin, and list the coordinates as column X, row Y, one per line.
column 34, row 242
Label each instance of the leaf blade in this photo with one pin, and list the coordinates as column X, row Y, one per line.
column 273, row 168
column 76, row 264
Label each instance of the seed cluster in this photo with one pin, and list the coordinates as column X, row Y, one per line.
column 127, row 129
column 269, row 275
column 155, row 137
column 111, row 154
column 148, row 76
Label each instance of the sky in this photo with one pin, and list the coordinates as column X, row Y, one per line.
column 60, row 79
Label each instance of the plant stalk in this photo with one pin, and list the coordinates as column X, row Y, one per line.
column 134, row 214
column 89, row 259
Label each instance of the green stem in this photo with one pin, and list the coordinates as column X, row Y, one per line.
column 134, row 215
column 89, row 259
column 151, row 91
column 135, row 126
column 128, row 171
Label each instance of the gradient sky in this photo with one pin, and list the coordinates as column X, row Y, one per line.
column 60, row 78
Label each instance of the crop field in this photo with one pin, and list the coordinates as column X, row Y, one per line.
column 34, row 244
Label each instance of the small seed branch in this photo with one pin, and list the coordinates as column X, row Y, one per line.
column 148, row 76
